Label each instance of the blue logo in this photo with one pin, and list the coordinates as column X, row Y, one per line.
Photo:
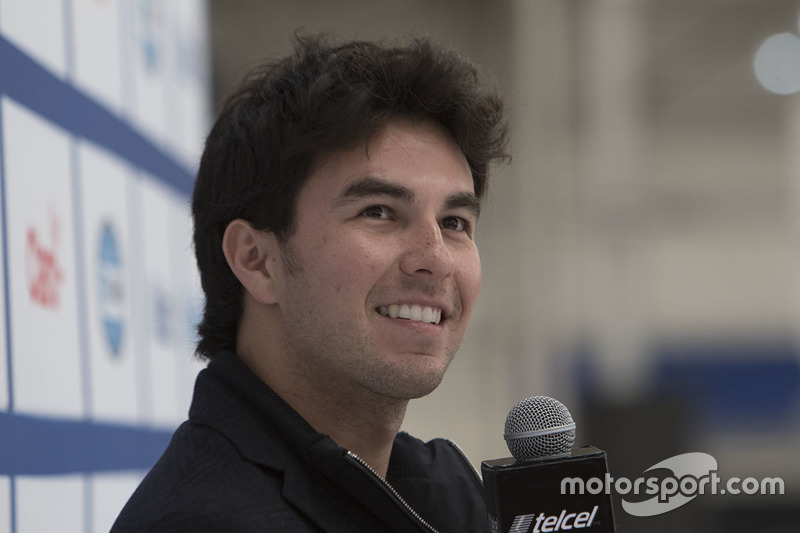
column 149, row 21
column 162, row 313
column 111, row 289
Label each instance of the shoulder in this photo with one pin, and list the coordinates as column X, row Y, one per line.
column 438, row 480
column 200, row 480
column 434, row 454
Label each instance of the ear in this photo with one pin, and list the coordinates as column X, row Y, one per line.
column 253, row 256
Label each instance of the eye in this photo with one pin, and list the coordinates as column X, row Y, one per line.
column 377, row 211
column 456, row 224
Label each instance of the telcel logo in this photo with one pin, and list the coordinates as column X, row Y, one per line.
column 543, row 523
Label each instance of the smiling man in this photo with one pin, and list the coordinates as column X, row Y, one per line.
column 335, row 211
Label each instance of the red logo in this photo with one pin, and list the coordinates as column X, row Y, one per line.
column 44, row 274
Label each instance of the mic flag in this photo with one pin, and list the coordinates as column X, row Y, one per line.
column 543, row 487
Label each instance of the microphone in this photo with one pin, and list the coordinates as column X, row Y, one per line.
column 547, row 486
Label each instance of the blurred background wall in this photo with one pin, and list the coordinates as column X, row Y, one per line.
column 103, row 108
column 640, row 252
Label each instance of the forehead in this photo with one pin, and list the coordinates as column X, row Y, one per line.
column 420, row 156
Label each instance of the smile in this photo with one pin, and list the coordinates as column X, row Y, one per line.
column 417, row 313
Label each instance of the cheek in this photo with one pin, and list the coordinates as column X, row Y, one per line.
column 470, row 279
column 349, row 263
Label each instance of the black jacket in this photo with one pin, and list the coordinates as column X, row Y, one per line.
column 246, row 461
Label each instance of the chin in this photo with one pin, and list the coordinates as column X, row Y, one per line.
column 412, row 387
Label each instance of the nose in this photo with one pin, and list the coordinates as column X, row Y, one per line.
column 426, row 252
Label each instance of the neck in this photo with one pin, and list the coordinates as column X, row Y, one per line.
column 359, row 423
column 355, row 418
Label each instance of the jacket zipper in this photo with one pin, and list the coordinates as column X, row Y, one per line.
column 358, row 460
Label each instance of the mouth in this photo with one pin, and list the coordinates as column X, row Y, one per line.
column 415, row 313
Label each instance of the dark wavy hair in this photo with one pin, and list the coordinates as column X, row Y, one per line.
column 288, row 113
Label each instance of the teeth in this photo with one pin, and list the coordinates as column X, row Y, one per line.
column 415, row 312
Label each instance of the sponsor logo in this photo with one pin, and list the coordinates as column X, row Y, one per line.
column 111, row 289
column 692, row 474
column 542, row 523
column 149, row 19
column 162, row 315
column 44, row 274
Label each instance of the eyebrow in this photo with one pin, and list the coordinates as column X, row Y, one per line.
column 374, row 186
column 464, row 200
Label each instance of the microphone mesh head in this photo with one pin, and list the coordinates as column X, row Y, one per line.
column 539, row 426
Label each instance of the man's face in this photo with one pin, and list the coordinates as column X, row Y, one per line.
column 382, row 272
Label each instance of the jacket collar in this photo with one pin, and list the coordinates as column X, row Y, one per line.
column 231, row 399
